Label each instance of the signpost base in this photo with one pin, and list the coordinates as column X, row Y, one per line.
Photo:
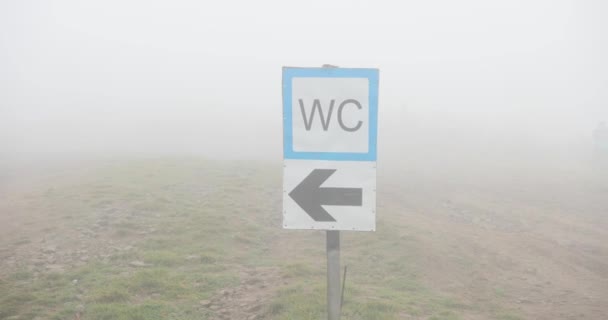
column 333, row 275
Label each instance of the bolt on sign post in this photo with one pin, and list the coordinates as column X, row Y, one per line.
column 330, row 125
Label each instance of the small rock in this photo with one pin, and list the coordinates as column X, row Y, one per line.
column 37, row 262
column 49, row 249
column 205, row 303
column 75, row 281
column 137, row 264
column 255, row 308
column 55, row 268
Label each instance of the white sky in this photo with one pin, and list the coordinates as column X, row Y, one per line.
column 204, row 76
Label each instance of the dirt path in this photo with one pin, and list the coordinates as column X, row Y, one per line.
column 543, row 262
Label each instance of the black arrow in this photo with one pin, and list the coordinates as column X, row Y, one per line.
column 311, row 197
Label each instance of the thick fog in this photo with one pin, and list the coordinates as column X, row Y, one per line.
column 457, row 78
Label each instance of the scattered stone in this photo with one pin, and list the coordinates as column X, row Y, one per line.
column 50, row 259
column 49, row 249
column 255, row 308
column 75, row 281
column 88, row 232
column 55, row 268
column 205, row 303
column 137, row 264
column 102, row 223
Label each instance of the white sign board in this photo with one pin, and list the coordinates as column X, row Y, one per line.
column 329, row 148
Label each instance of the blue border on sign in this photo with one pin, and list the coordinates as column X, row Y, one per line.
column 289, row 73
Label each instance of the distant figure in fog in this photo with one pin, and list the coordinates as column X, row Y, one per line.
column 600, row 138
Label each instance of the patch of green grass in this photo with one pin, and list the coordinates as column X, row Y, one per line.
column 298, row 302
column 371, row 309
column 445, row 315
column 159, row 281
column 163, row 258
column 210, row 282
column 210, row 226
column 208, row 259
column 21, row 275
column 298, row 270
column 505, row 315
column 116, row 311
column 125, row 257
column 112, row 293
column 405, row 284
column 11, row 303
column 53, row 289
column 500, row 292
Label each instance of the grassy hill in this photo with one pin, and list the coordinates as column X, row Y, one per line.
column 197, row 239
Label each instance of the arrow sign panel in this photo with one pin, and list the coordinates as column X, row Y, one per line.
column 311, row 197
column 329, row 195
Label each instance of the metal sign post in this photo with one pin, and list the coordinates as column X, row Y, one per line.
column 333, row 275
column 330, row 120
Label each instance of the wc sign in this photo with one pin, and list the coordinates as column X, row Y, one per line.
column 329, row 148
